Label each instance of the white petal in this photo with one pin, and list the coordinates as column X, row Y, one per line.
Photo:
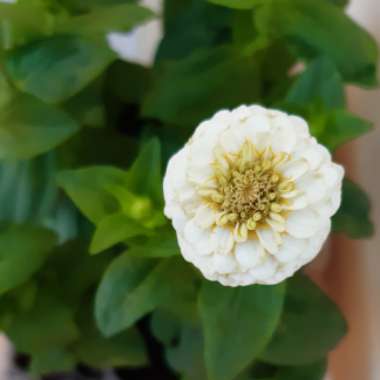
column 297, row 203
column 204, row 216
column 256, row 109
column 303, row 223
column 189, row 199
column 248, row 254
column 264, row 272
column 327, row 207
column 223, row 240
column 312, row 187
column 241, row 113
column 231, row 141
column 331, row 174
column 284, row 245
column 224, row 263
column 175, row 176
column 257, row 123
column 283, row 135
column 199, row 174
column 300, row 126
column 178, row 216
column 276, row 225
column 198, row 237
column 223, row 117
column 315, row 154
column 294, row 169
column 291, row 248
column 201, row 151
column 268, row 239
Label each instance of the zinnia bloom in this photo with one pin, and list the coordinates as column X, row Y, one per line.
column 251, row 196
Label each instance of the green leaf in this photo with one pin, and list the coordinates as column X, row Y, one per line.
column 190, row 90
column 27, row 191
column 249, row 4
column 165, row 326
column 121, row 17
column 29, row 127
column 342, row 127
column 22, row 22
column 128, row 81
column 88, row 189
column 259, row 371
column 132, row 287
column 73, row 282
column 56, row 68
column 87, row 107
column 353, row 217
column 123, row 350
column 53, row 360
column 340, row 3
column 48, row 324
column 187, row 356
column 84, row 6
column 315, row 371
column 96, row 351
column 210, row 26
column 114, row 229
column 6, row 92
column 237, row 324
column 317, row 29
column 161, row 243
column 24, row 249
column 308, row 316
column 320, row 83
column 236, row 4
column 144, row 177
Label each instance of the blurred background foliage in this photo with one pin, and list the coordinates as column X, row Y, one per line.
column 90, row 272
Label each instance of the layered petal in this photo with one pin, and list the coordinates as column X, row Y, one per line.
column 251, row 196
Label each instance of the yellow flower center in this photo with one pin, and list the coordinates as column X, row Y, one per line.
column 249, row 188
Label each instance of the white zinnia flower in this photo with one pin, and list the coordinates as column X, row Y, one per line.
column 251, row 196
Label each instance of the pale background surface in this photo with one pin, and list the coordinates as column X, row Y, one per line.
column 140, row 47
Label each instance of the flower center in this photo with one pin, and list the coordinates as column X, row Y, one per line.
column 249, row 187
column 249, row 193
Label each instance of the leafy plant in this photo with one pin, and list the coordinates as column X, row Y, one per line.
column 90, row 268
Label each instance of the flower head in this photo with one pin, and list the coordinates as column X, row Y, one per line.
column 251, row 196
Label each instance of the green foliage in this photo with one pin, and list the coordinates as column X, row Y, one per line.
column 340, row 127
column 305, row 306
column 29, row 127
column 236, row 4
column 321, row 83
column 237, row 323
column 313, row 371
column 93, row 349
column 58, row 67
column 186, row 91
column 88, row 189
column 48, row 323
column 122, row 204
column 51, row 361
column 23, row 251
column 318, row 95
column 132, row 287
column 316, row 29
column 210, row 26
column 22, row 22
column 121, row 17
column 85, row 138
column 353, row 218
column 250, row 4
column 186, row 357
